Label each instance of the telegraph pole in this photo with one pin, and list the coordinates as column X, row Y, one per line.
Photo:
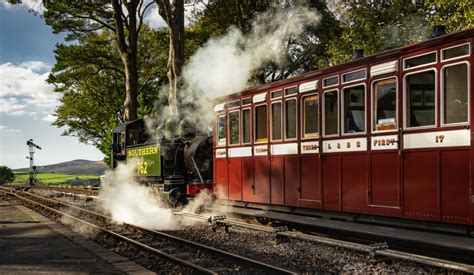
column 32, row 169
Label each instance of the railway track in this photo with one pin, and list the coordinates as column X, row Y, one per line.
column 75, row 190
column 380, row 250
column 192, row 256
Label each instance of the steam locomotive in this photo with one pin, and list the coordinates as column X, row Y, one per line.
column 178, row 163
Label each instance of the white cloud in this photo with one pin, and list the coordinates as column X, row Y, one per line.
column 49, row 118
column 153, row 19
column 33, row 5
column 23, row 88
column 6, row 129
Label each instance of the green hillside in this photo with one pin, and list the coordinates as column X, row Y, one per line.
column 56, row 178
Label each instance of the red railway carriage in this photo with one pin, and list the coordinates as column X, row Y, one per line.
column 388, row 134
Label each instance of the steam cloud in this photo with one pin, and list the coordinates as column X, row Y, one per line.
column 222, row 66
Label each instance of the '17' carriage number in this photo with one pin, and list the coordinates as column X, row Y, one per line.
column 142, row 167
column 439, row 138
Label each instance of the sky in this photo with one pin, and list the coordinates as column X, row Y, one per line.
column 27, row 102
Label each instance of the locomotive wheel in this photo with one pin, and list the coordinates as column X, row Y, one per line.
column 263, row 220
column 176, row 198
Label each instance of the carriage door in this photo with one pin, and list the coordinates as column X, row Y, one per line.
column 385, row 182
column 310, row 183
column 261, row 187
column 221, row 178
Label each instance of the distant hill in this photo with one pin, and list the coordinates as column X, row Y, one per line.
column 74, row 167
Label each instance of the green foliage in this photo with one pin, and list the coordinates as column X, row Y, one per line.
column 53, row 178
column 455, row 15
column 6, row 175
column 89, row 75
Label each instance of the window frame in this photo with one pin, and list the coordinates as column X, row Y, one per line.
column 442, row 91
column 254, row 123
column 422, row 65
column 285, row 138
column 233, row 107
column 324, row 114
column 271, row 120
column 342, row 117
column 228, row 128
column 405, row 100
column 303, row 117
column 278, row 97
column 241, row 127
column 457, row 57
column 372, row 104
column 245, row 98
column 354, row 71
column 333, row 85
column 290, row 87
column 221, row 142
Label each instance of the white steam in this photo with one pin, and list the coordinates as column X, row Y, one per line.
column 127, row 201
column 225, row 64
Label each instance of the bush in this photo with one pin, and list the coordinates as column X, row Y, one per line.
column 6, row 175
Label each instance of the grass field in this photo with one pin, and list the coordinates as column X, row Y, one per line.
column 54, row 178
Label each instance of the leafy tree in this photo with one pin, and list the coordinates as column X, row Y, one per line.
column 90, row 77
column 6, row 175
column 124, row 21
column 455, row 15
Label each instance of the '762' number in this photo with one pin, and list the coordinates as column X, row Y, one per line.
column 142, row 167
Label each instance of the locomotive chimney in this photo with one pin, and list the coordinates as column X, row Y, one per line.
column 438, row 30
column 358, row 53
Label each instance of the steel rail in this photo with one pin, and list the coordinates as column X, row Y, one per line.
column 382, row 251
column 70, row 190
column 245, row 260
column 114, row 234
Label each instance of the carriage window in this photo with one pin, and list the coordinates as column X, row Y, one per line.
column 385, row 105
column 290, row 119
column 246, row 125
column 291, row 91
column 276, row 121
column 310, row 116
column 221, row 130
column 420, row 60
column 261, row 123
column 233, row 104
column 454, row 52
column 420, row 99
column 276, row 94
column 331, row 114
column 234, row 128
column 354, row 109
column 331, row 81
column 247, row 101
column 361, row 74
column 455, row 94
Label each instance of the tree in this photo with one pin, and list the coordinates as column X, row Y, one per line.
column 124, row 20
column 173, row 14
column 6, row 175
column 90, row 78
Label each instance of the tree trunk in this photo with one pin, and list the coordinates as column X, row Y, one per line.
column 173, row 14
column 131, row 86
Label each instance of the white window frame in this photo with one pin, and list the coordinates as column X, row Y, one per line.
column 343, row 114
column 302, row 115
column 358, row 79
column 278, row 97
column 372, row 104
column 422, row 65
column 248, row 104
column 221, row 142
column 443, row 124
column 324, row 113
column 457, row 57
column 405, row 99
column 242, row 130
column 296, row 118
column 228, row 128
column 333, row 85
column 255, row 123
column 271, row 120
column 286, row 88
column 232, row 108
